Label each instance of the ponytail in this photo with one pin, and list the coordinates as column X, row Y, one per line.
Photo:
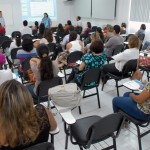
column 18, row 41
column 46, row 69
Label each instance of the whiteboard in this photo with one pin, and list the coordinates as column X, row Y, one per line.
column 7, row 13
column 103, row 9
column 83, row 8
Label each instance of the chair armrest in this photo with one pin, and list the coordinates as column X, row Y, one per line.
column 56, row 131
column 66, row 115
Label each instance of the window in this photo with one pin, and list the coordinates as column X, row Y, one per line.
column 33, row 10
column 140, row 11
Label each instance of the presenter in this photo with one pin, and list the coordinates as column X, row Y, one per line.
column 47, row 21
column 2, row 21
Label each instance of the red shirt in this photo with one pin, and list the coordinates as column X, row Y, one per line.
column 2, row 30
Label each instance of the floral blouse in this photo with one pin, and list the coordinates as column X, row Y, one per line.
column 145, row 106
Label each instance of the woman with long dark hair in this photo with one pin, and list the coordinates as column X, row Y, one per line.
column 42, row 67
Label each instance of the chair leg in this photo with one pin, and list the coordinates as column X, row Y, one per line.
column 99, row 105
column 79, row 110
column 114, row 144
column 81, row 148
column 148, row 76
column 52, row 138
column 65, row 75
column 66, row 142
column 117, row 87
column 139, row 137
column 102, row 86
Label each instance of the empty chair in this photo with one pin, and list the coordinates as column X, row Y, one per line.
column 90, row 80
column 94, row 129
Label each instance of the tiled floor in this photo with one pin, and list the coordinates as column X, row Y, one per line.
column 127, row 139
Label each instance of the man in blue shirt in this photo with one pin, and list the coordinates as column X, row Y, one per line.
column 2, row 21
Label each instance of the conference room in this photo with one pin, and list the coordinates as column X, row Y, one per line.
column 74, row 74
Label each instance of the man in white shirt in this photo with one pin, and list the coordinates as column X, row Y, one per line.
column 26, row 29
column 2, row 20
column 79, row 22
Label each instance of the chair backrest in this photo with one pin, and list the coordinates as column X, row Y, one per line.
column 105, row 128
column 91, row 76
column 26, row 64
column 74, row 56
column 43, row 87
column 52, row 47
column 130, row 66
column 13, row 35
column 13, row 53
column 117, row 49
column 3, row 38
column 41, row 146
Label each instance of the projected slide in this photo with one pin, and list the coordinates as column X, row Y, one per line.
column 33, row 10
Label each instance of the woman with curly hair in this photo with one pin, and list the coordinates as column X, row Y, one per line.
column 22, row 124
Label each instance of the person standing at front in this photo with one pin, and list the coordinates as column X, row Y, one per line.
column 47, row 21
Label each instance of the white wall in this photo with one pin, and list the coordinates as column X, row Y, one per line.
column 64, row 12
column 122, row 15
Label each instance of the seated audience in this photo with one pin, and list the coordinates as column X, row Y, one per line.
column 43, row 68
column 41, row 30
column 108, row 32
column 60, row 30
column 101, row 35
column 25, row 29
column 2, row 30
column 74, row 44
column 5, row 75
column 35, row 29
column 22, row 124
column 135, row 105
column 94, row 37
column 141, row 32
column 2, row 59
column 16, row 43
column 27, row 50
column 86, row 31
column 146, row 45
column 122, row 58
column 95, row 59
column 66, row 38
column 47, row 38
column 79, row 22
column 123, row 28
column 113, row 41
column 68, row 25
column 36, row 26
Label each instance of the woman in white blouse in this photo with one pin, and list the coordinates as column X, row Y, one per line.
column 122, row 58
